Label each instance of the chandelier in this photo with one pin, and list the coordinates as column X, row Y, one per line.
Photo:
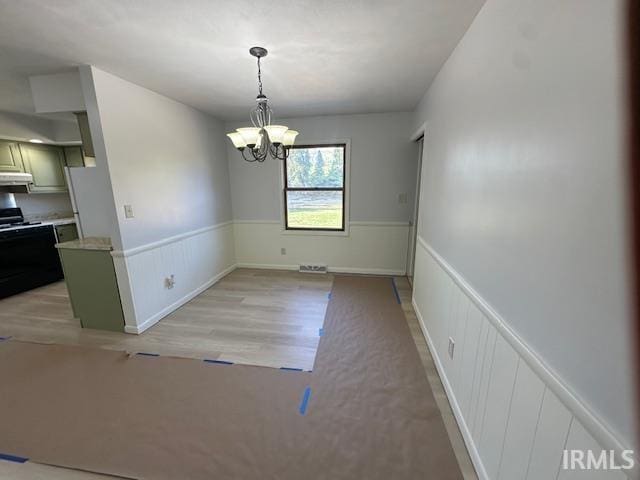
column 263, row 138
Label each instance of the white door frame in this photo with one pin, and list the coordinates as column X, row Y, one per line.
column 418, row 136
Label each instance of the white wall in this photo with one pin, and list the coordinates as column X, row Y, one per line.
column 383, row 165
column 168, row 161
column 17, row 126
column 523, row 191
column 165, row 159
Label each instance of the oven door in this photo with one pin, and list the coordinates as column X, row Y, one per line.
column 28, row 259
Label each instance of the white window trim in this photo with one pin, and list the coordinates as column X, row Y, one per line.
column 347, row 192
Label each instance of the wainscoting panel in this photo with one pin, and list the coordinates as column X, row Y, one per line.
column 516, row 416
column 550, row 437
column 197, row 260
column 580, row 439
column 375, row 247
column 523, row 420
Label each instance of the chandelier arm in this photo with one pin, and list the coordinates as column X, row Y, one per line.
column 278, row 152
column 245, row 157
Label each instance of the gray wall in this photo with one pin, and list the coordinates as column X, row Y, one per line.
column 43, row 205
column 524, row 184
column 383, row 165
column 164, row 158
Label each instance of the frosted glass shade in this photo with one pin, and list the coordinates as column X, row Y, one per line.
column 249, row 135
column 289, row 137
column 237, row 140
column 276, row 133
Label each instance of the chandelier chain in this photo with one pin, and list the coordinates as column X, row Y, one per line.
column 259, row 78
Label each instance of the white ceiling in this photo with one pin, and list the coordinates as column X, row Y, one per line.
column 325, row 56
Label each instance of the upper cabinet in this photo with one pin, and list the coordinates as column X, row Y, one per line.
column 75, row 156
column 10, row 157
column 85, row 133
column 46, row 164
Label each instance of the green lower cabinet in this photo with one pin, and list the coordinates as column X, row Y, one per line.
column 93, row 288
column 46, row 164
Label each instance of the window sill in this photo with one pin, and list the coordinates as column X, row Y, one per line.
column 317, row 233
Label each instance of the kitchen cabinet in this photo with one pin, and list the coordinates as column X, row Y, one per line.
column 10, row 157
column 75, row 156
column 46, row 164
column 85, row 133
column 92, row 284
column 66, row 233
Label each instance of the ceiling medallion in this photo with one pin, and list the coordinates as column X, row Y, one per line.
column 263, row 138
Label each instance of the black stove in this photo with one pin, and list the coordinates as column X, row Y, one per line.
column 28, row 257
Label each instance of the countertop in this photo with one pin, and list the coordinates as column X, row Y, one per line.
column 88, row 243
column 43, row 223
column 59, row 221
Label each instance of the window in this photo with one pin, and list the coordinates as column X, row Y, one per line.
column 314, row 191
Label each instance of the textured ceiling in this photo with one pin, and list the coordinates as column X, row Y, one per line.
column 325, row 56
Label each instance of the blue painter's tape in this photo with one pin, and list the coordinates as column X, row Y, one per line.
column 305, row 400
column 145, row 354
column 221, row 362
column 395, row 289
column 12, row 458
column 329, row 295
column 291, row 369
column 320, row 332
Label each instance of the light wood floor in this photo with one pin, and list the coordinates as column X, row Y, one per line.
column 251, row 316
column 258, row 317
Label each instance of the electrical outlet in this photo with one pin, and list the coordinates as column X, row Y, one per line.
column 452, row 346
column 169, row 282
column 283, row 251
column 128, row 211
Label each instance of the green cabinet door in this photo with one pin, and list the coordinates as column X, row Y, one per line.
column 74, row 156
column 10, row 157
column 46, row 164
column 66, row 233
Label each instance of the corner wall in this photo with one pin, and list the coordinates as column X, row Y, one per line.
column 167, row 161
column 523, row 211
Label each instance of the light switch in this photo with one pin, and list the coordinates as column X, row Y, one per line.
column 402, row 198
column 128, row 211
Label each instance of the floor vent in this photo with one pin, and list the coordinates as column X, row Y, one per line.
column 313, row 268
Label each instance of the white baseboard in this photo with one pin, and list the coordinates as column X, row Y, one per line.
column 367, row 271
column 267, row 266
column 354, row 270
column 148, row 323
column 455, row 407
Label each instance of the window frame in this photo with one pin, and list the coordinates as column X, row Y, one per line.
column 344, row 144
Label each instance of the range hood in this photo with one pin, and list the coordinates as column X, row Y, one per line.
column 15, row 182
